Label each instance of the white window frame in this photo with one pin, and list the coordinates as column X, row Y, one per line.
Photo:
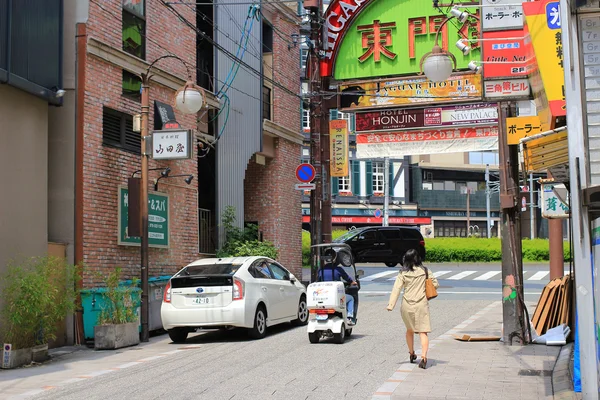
column 378, row 176
column 345, row 184
column 305, row 118
column 347, row 117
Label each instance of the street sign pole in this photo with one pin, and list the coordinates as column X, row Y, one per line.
column 386, row 191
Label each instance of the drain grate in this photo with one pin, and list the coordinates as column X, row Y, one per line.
column 534, row 372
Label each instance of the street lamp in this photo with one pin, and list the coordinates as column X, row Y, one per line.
column 438, row 64
column 189, row 100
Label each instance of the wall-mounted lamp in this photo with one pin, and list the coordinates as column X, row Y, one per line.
column 474, row 67
column 188, row 179
column 165, row 171
column 461, row 16
column 463, row 46
column 295, row 37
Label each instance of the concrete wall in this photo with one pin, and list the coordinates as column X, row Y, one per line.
column 24, row 178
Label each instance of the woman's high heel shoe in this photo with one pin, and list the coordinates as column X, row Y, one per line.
column 413, row 357
column 423, row 363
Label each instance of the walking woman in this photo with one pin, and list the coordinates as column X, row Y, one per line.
column 415, row 306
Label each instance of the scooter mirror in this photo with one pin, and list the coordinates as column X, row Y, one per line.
column 360, row 273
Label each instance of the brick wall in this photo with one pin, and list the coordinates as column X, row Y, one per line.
column 272, row 201
column 106, row 168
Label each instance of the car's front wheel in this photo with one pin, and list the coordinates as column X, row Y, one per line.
column 178, row 335
column 259, row 330
column 302, row 312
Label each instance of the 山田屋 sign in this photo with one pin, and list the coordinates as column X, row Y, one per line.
column 158, row 220
column 171, row 144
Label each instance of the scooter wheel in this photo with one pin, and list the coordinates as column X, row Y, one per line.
column 314, row 337
column 340, row 337
column 348, row 332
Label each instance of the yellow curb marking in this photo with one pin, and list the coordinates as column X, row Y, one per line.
column 394, row 380
column 48, row 387
column 383, row 393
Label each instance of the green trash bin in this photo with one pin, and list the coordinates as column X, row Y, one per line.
column 93, row 301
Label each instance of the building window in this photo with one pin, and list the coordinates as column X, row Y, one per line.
column 473, row 186
column 378, row 177
column 450, row 185
column 484, row 157
column 134, row 28
column 132, row 86
column 305, row 152
column 450, row 228
column 303, row 57
column 266, row 102
column 306, row 117
column 427, row 185
column 438, row 185
column 117, row 131
column 348, row 118
column 344, row 185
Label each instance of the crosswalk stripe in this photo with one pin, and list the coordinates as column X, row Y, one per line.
column 379, row 275
column 461, row 275
column 538, row 276
column 487, row 276
column 437, row 274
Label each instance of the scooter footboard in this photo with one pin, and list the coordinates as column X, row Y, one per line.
column 333, row 324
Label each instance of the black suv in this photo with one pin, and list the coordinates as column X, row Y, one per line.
column 385, row 244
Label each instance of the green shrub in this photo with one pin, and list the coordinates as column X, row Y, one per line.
column 243, row 242
column 121, row 300
column 473, row 249
column 38, row 293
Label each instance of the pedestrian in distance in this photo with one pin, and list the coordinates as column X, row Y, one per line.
column 415, row 306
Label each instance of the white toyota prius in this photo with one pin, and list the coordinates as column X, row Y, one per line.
column 240, row 292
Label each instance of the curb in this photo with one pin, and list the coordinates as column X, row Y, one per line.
column 385, row 391
column 562, row 382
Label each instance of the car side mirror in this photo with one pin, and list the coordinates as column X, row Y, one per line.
column 292, row 279
column 361, row 238
column 360, row 273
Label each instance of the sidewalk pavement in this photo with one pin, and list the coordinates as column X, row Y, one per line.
column 475, row 370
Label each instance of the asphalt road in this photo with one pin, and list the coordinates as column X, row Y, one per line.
column 284, row 365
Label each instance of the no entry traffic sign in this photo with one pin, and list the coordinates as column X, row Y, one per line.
column 305, row 173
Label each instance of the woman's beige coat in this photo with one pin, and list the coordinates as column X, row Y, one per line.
column 415, row 306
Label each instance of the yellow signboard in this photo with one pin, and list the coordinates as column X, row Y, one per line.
column 546, row 152
column 338, row 137
column 544, row 29
column 412, row 91
column 522, row 127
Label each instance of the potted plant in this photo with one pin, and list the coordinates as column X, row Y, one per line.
column 38, row 293
column 118, row 321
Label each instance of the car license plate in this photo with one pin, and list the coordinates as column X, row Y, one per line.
column 200, row 300
column 321, row 317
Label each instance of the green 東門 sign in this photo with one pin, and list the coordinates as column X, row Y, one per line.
column 389, row 37
column 158, row 220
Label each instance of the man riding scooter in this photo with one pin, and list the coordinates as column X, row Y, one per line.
column 332, row 271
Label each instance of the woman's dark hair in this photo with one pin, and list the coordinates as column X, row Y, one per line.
column 411, row 260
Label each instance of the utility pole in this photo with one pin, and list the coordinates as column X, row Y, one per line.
column 316, row 114
column 468, row 211
column 144, row 208
column 531, row 210
column 487, row 201
column 386, row 191
column 514, row 322
column 326, row 106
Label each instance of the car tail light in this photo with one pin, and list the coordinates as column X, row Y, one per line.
column 422, row 243
column 167, row 295
column 321, row 311
column 238, row 289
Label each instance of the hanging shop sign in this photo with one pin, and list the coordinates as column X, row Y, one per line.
column 518, row 128
column 555, row 201
column 433, row 141
column 543, row 26
column 368, row 38
column 375, row 220
column 158, row 220
column 418, row 118
column 171, row 144
column 413, row 91
column 504, row 57
column 338, row 137
column 499, row 15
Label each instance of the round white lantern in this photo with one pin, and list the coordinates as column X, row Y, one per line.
column 189, row 101
column 437, row 67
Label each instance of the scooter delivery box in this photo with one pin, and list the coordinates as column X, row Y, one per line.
column 329, row 295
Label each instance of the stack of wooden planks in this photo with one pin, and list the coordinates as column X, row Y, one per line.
column 554, row 306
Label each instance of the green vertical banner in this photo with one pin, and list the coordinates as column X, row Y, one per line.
column 158, row 220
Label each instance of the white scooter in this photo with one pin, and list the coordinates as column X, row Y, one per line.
column 327, row 301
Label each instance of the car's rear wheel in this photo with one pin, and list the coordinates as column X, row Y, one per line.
column 340, row 337
column 391, row 264
column 314, row 337
column 259, row 330
column 302, row 312
column 178, row 335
